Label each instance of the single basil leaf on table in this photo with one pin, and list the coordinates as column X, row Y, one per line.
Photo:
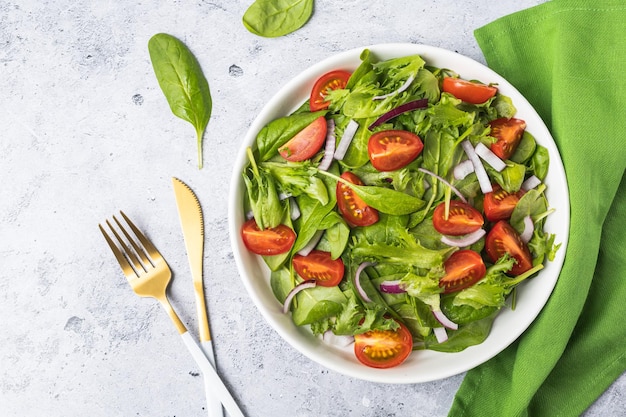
column 181, row 79
column 274, row 18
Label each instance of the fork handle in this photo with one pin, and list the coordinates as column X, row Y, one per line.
column 214, row 406
column 217, row 387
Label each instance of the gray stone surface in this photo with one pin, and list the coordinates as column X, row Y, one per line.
column 85, row 131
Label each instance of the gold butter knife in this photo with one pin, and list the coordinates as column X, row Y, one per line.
column 192, row 223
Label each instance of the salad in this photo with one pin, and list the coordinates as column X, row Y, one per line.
column 398, row 208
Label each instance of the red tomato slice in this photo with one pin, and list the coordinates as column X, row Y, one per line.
column 334, row 80
column 383, row 348
column 306, row 142
column 499, row 204
column 393, row 149
column 464, row 268
column 508, row 133
column 352, row 208
column 501, row 239
column 473, row 93
column 462, row 219
column 269, row 241
column 319, row 265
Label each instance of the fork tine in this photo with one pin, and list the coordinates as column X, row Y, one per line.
column 139, row 251
column 152, row 251
column 126, row 268
column 130, row 255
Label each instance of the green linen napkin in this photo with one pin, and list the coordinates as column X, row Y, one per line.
column 568, row 58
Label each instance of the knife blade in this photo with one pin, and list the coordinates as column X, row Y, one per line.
column 192, row 224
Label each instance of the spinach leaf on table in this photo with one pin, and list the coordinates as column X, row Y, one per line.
column 274, row 18
column 181, row 79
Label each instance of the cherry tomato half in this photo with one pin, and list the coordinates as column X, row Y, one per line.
column 508, row 133
column 473, row 93
column 352, row 208
column 501, row 239
column 393, row 149
column 383, row 348
column 306, row 142
column 464, row 268
column 319, row 265
column 462, row 219
column 499, row 204
column 334, row 80
column 269, row 241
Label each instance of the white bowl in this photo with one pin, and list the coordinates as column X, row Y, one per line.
column 421, row 366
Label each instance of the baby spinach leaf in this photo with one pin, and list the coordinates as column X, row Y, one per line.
column 463, row 313
column 525, row 149
column 539, row 162
column 532, row 203
column 281, row 283
column 385, row 200
column 471, row 334
column 181, row 79
column 357, row 155
column 336, row 236
column 318, row 303
column 274, row 18
column 313, row 212
column 364, row 68
column 510, row 178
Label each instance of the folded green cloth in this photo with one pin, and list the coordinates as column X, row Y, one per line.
column 568, row 58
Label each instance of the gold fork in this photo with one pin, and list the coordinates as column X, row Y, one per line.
column 149, row 275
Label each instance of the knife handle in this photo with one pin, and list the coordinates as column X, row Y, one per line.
column 214, row 406
column 213, row 383
column 203, row 316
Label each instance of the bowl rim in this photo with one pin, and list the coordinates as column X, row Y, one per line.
column 437, row 365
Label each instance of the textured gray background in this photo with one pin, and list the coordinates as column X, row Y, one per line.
column 85, row 131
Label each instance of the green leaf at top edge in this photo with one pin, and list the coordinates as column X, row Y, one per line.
column 274, row 18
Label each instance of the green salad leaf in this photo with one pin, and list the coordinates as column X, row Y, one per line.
column 274, row 18
column 181, row 79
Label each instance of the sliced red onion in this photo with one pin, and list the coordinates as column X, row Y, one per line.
column 530, row 183
column 481, row 174
column 406, row 107
column 463, row 169
column 329, row 149
column 357, row 281
column 312, row 243
column 529, row 228
column 310, row 283
column 445, row 321
column 337, row 340
column 294, row 208
column 465, row 240
column 489, row 157
column 346, row 140
column 403, row 87
column 457, row 192
column 440, row 334
column 391, row 287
